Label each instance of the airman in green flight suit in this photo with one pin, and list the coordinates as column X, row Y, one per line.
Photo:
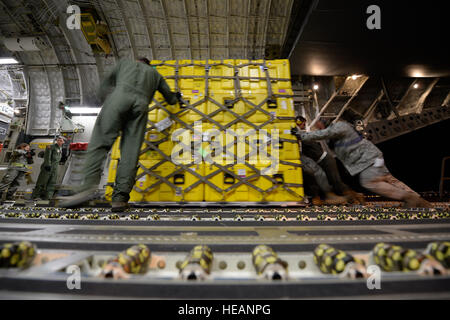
column 124, row 110
column 46, row 183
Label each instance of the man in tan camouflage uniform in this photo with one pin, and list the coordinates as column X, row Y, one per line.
column 361, row 157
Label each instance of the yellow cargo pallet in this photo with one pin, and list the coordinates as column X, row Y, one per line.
column 244, row 183
column 234, row 126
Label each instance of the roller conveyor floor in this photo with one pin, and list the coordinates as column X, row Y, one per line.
column 89, row 237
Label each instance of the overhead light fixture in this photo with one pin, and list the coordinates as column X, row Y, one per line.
column 316, row 87
column 415, row 71
column 8, row 61
column 84, row 110
column 416, row 85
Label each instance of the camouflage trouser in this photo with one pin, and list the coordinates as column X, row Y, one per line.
column 380, row 181
column 311, row 168
column 11, row 181
column 329, row 165
column 312, row 189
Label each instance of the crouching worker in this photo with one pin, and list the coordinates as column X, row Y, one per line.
column 327, row 162
column 361, row 157
column 315, row 181
column 46, row 182
column 124, row 110
column 17, row 171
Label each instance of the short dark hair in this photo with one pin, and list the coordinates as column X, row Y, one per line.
column 350, row 116
column 22, row 146
column 144, row 60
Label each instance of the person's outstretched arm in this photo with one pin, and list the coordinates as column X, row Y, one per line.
column 331, row 132
column 163, row 87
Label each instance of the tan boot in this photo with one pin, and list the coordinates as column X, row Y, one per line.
column 355, row 197
column 316, row 201
column 414, row 201
column 333, row 199
column 422, row 203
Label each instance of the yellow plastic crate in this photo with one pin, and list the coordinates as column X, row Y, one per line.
column 165, row 68
column 161, row 141
column 255, row 138
column 287, row 174
column 144, row 181
column 245, row 132
column 183, row 141
column 197, row 68
column 163, row 191
column 254, row 71
column 227, row 99
column 286, row 150
column 242, row 193
column 156, row 115
column 245, row 193
column 191, row 97
column 279, row 69
column 212, row 137
column 278, row 107
column 221, row 68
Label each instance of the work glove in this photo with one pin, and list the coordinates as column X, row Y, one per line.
column 48, row 168
column 180, row 98
column 296, row 132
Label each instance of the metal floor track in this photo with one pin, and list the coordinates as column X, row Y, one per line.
column 88, row 236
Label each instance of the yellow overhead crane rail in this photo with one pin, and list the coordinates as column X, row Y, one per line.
column 95, row 33
column 236, row 136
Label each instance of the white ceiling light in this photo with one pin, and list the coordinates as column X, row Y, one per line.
column 8, row 61
column 84, row 110
column 416, row 85
column 316, row 87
